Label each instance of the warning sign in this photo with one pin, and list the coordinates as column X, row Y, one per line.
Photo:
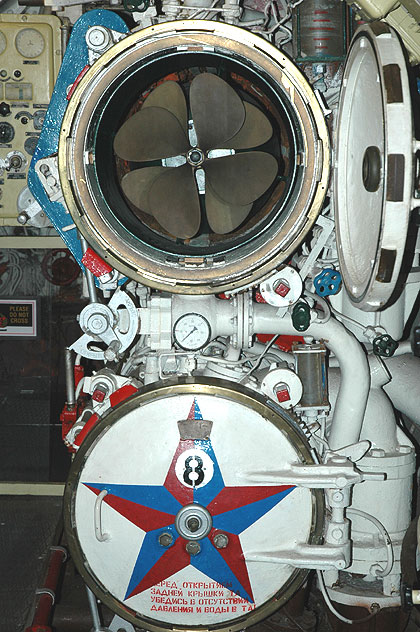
column 18, row 318
column 197, row 597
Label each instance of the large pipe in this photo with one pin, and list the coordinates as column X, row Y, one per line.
column 68, row 361
column 355, row 375
column 403, row 388
column 90, row 279
column 46, row 594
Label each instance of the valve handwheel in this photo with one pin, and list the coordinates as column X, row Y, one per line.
column 59, row 267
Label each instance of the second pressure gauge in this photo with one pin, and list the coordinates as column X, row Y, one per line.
column 29, row 43
column 192, row 332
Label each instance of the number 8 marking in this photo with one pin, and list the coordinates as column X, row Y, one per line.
column 196, row 470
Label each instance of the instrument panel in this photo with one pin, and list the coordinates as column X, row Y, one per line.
column 30, row 57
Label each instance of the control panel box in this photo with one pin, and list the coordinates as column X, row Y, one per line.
column 30, row 58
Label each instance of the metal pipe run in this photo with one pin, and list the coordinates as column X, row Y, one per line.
column 46, row 594
column 69, row 368
column 355, row 375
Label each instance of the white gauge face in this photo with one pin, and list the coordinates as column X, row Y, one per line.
column 29, row 43
column 3, row 42
column 192, row 332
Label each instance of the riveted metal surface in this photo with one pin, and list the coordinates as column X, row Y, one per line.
column 141, row 603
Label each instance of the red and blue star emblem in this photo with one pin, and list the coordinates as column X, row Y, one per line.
column 153, row 509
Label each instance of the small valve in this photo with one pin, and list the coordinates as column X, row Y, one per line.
column 283, row 386
column 327, row 282
column 301, row 316
column 4, row 109
column 384, row 346
column 283, row 289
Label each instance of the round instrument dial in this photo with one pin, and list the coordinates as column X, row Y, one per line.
column 7, row 132
column 3, row 42
column 192, row 332
column 29, row 43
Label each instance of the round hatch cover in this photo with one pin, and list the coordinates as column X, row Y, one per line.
column 194, row 203
column 373, row 176
column 176, row 511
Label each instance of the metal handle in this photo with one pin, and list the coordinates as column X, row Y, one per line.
column 101, row 537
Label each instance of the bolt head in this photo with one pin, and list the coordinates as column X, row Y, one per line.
column 22, row 218
column 193, row 548
column 220, row 540
column 193, row 524
column 166, row 539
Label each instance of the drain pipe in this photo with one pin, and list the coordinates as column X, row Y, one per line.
column 355, row 375
column 46, row 594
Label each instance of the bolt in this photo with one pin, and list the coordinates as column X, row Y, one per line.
column 97, row 323
column 22, row 218
column 193, row 548
column 338, row 497
column 111, row 353
column 166, row 539
column 220, row 540
column 337, row 534
column 193, row 524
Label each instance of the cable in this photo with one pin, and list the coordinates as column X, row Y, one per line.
column 385, row 535
column 79, row 388
column 205, row 10
column 334, row 611
column 325, row 307
column 260, row 357
column 347, row 318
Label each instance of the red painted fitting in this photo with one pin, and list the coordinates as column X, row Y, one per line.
column 76, row 82
column 45, row 600
column 95, row 263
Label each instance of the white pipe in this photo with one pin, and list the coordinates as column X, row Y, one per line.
column 379, row 424
column 403, row 388
column 355, row 375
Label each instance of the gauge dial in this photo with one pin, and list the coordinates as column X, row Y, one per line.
column 192, row 332
column 7, row 132
column 29, row 43
column 3, row 42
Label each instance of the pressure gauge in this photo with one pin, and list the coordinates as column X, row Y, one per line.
column 192, row 332
column 29, row 43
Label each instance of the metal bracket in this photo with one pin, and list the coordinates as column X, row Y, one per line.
column 330, row 475
column 46, row 591
column 314, row 556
